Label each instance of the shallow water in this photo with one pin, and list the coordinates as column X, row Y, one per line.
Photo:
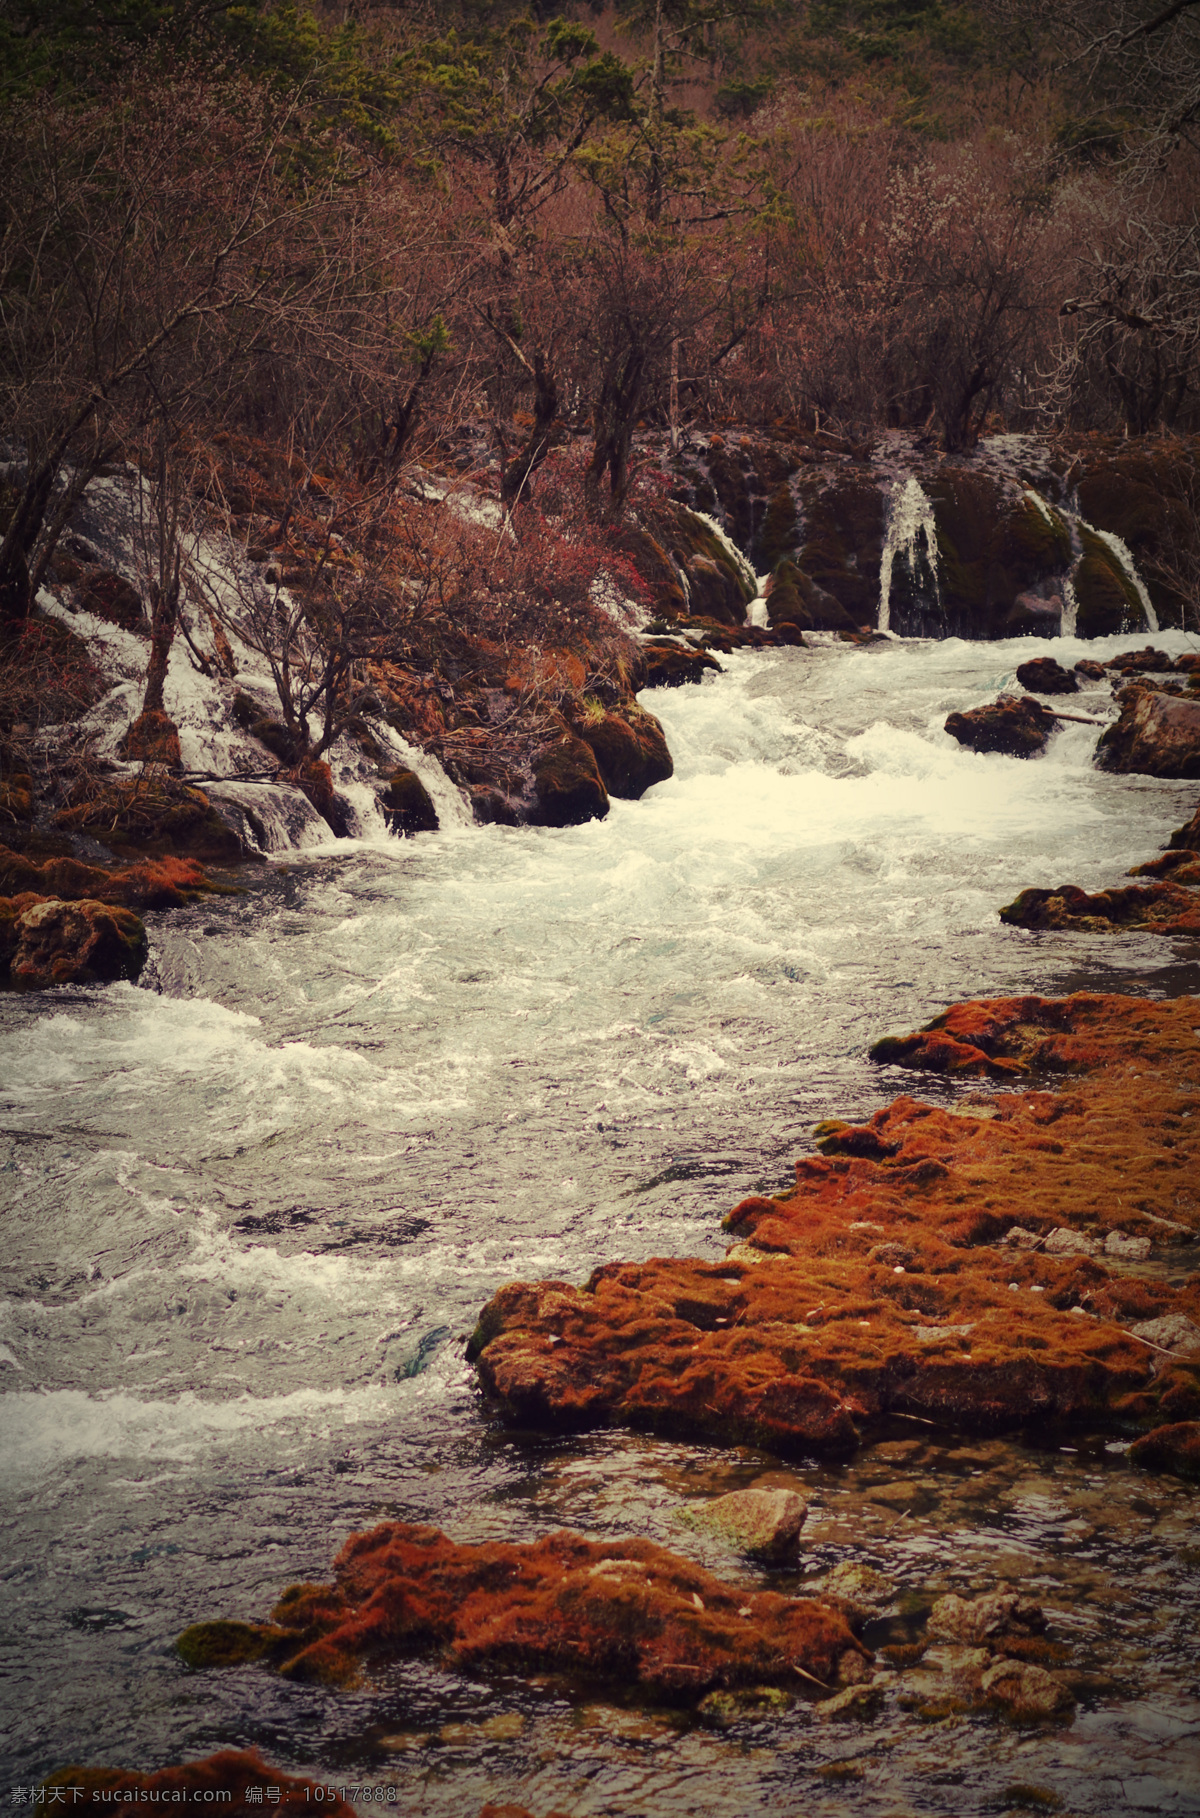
column 251, row 1214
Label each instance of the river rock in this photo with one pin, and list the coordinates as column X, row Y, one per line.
column 1160, row 908
column 407, row 806
column 1174, row 1448
column 1126, row 1248
column 979, row 1621
column 1091, row 670
column 623, row 1611
column 80, row 943
column 764, row 1524
column 1171, row 1332
column 1146, row 661
column 630, row 749
column 1156, row 735
column 238, row 1781
column 1016, row 726
column 1025, row 1691
column 671, row 664
column 1062, row 1241
column 1031, row 616
column 165, row 883
column 1187, row 837
column 1043, row 675
column 567, row 785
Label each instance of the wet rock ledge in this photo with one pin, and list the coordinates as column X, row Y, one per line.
column 966, row 1265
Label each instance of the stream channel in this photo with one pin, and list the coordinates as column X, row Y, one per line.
column 254, row 1205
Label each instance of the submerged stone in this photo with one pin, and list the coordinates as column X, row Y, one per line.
column 764, row 1524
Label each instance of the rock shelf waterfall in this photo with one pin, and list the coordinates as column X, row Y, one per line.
column 256, row 1205
column 910, row 549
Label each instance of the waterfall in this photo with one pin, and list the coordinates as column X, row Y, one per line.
column 743, row 566
column 1124, row 556
column 912, row 539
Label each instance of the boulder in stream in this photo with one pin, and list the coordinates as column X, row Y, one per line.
column 1156, row 735
column 1174, row 1448
column 762, row 1523
column 48, row 942
column 1014, row 725
column 567, row 785
column 1044, row 675
column 1159, row 908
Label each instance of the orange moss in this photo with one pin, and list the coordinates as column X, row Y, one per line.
column 164, row 883
column 232, row 1771
column 869, row 1288
column 626, row 1611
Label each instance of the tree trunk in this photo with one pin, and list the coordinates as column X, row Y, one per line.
column 515, row 480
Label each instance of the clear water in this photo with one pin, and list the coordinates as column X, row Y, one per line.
column 250, row 1216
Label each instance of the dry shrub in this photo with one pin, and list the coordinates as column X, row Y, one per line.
column 46, row 676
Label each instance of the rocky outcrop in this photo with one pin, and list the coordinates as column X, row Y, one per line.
column 873, row 1286
column 1156, row 735
column 627, row 1612
column 1046, row 676
column 1174, row 1448
column 567, row 786
column 153, row 814
column 165, row 883
column 672, row 663
column 406, row 804
column 1161, row 908
column 1014, row 725
column 45, row 942
column 630, row 749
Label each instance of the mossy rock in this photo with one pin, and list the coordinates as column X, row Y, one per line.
column 716, row 585
column 568, row 786
column 224, row 1643
column 967, row 510
column 843, row 544
column 779, row 533
column 793, row 598
column 76, row 943
column 153, row 814
column 153, row 738
column 630, row 749
column 1108, row 601
column 406, row 804
column 1144, row 494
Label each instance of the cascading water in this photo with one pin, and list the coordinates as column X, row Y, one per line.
column 1125, row 560
column 253, row 1213
column 910, row 600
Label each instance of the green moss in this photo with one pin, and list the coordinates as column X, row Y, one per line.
column 779, row 532
column 406, row 804
column 1108, row 600
column 224, row 1644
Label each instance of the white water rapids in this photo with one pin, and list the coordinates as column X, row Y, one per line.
column 250, row 1217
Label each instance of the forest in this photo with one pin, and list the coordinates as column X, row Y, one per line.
column 287, row 261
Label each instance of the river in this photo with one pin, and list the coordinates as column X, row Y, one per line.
column 254, row 1205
